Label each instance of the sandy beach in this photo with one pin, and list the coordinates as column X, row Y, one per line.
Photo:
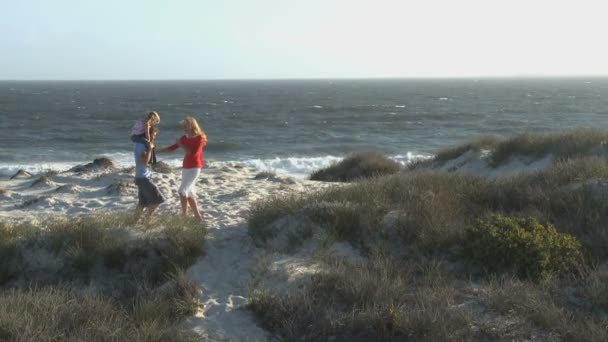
column 226, row 192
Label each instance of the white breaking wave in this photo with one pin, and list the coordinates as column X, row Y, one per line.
column 304, row 166
column 292, row 166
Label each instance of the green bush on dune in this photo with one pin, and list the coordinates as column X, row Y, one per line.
column 531, row 249
column 357, row 166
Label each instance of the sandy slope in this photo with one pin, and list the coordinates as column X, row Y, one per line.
column 226, row 193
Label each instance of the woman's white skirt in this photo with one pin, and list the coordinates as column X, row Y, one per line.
column 188, row 186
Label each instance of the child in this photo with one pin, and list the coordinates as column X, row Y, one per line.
column 141, row 131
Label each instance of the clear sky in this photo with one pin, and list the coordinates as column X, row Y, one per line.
column 241, row 39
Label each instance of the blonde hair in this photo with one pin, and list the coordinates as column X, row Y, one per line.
column 152, row 119
column 190, row 124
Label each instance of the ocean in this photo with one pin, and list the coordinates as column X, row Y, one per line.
column 285, row 126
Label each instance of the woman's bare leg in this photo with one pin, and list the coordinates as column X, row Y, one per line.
column 194, row 206
column 184, row 203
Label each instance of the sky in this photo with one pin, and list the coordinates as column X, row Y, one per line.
column 276, row 39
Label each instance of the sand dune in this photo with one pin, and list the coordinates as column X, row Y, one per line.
column 226, row 193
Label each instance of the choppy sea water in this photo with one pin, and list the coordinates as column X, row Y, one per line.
column 286, row 126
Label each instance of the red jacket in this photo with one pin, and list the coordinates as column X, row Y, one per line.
column 193, row 159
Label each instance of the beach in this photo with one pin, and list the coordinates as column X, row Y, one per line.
column 225, row 192
column 284, row 257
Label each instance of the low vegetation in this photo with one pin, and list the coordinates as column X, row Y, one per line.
column 162, row 167
column 475, row 145
column 522, row 245
column 450, row 256
column 562, row 145
column 265, row 175
column 357, row 166
column 98, row 278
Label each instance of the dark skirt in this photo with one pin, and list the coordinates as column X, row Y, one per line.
column 149, row 194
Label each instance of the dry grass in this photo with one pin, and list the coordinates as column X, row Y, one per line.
column 357, row 166
column 98, row 278
column 265, row 175
column 433, row 211
column 435, row 208
column 381, row 301
column 562, row 145
column 83, row 248
column 162, row 167
column 67, row 314
column 579, row 142
column 475, row 145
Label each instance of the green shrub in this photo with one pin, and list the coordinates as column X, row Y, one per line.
column 357, row 166
column 524, row 245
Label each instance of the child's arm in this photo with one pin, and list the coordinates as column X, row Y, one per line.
column 147, row 128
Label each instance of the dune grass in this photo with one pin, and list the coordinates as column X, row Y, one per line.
column 63, row 313
column 265, row 175
column 475, row 145
column 431, row 212
column 436, row 207
column 98, row 278
column 561, row 145
column 381, row 301
column 357, row 166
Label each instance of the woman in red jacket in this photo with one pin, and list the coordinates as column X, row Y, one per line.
column 192, row 143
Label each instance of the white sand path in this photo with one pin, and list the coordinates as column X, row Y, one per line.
column 223, row 275
column 225, row 272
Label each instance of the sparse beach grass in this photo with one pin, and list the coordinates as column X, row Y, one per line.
column 98, row 278
column 538, row 281
column 561, row 145
column 357, row 166
column 265, row 175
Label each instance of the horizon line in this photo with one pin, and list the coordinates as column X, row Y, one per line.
column 302, row 78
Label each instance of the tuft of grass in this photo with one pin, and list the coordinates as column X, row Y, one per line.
column 100, row 279
column 265, row 175
column 475, row 145
column 98, row 163
column 50, row 173
column 357, row 166
column 85, row 243
column 380, row 301
column 508, row 294
column 574, row 143
column 65, row 314
column 103, row 162
column 162, row 167
column 266, row 211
